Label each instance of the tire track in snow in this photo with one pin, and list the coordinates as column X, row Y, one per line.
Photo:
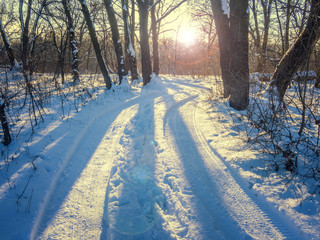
column 258, row 222
column 253, row 214
column 52, row 197
column 209, row 213
column 226, row 202
column 81, row 212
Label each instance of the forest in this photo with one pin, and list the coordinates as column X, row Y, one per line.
column 258, row 60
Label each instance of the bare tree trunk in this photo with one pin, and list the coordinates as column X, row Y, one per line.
column 233, row 43
column 116, row 39
column 5, row 126
column 144, row 41
column 33, row 39
column 133, row 21
column 287, row 26
column 298, row 52
column 25, row 33
column 280, row 27
column 128, row 41
column 256, row 25
column 155, row 44
column 7, row 45
column 95, row 44
column 263, row 50
column 239, row 64
column 72, row 40
column 221, row 19
column 317, row 84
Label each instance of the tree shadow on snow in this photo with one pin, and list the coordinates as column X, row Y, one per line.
column 133, row 199
column 84, row 147
column 211, row 212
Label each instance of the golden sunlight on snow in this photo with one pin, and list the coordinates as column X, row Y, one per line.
column 85, row 203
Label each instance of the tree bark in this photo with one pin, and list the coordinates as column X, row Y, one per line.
column 131, row 56
column 7, row 46
column 133, row 21
column 25, row 33
column 116, row 39
column 5, row 127
column 155, row 44
column 73, row 42
column 263, row 49
column 287, row 25
column 257, row 39
column 95, row 44
column 317, row 84
column 239, row 64
column 223, row 29
column 32, row 41
column 144, row 41
column 298, row 53
column 233, row 43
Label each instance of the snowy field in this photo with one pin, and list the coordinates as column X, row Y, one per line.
column 154, row 162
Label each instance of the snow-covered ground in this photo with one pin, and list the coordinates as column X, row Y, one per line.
column 154, row 162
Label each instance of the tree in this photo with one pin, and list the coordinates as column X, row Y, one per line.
column 298, row 53
column 34, row 36
column 7, row 45
column 144, row 41
column 221, row 18
column 232, row 33
column 60, row 41
column 25, row 33
column 156, row 17
column 72, row 40
column 129, row 42
column 116, row 39
column 155, row 44
column 239, row 62
column 4, row 123
column 202, row 13
column 262, row 47
column 95, row 44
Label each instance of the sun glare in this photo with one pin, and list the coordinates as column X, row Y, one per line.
column 187, row 36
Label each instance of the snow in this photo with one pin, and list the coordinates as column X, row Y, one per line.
column 131, row 51
column 225, row 7
column 153, row 162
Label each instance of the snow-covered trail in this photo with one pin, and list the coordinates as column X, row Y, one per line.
column 144, row 170
column 73, row 205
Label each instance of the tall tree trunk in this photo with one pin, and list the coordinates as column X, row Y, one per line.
column 4, row 123
column 317, row 84
column 233, row 44
column 155, row 44
column 25, row 33
column 298, row 52
column 133, row 21
column 144, row 41
column 263, row 50
column 287, row 25
column 73, row 42
column 221, row 19
column 33, row 39
column 95, row 44
column 256, row 25
column 280, row 26
column 239, row 65
column 7, row 46
column 131, row 56
column 116, row 39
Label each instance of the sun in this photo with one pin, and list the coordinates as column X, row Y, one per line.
column 187, row 36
